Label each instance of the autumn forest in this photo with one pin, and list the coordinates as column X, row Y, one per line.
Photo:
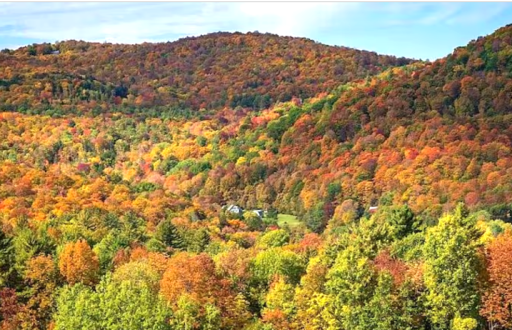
column 255, row 182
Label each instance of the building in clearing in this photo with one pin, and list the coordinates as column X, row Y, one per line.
column 259, row 213
column 235, row 209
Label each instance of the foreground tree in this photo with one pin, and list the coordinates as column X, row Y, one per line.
column 497, row 300
column 113, row 306
column 42, row 278
column 192, row 275
column 199, row 296
column 362, row 298
column 451, row 270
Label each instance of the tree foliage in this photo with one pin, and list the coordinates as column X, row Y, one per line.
column 118, row 164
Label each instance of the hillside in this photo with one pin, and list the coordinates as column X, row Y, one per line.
column 117, row 221
column 427, row 134
column 211, row 71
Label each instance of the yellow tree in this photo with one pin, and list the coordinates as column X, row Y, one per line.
column 78, row 263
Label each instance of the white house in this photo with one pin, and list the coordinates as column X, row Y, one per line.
column 259, row 213
column 233, row 209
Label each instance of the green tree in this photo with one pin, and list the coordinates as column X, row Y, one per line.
column 138, row 273
column 360, row 298
column 194, row 240
column 107, row 248
column 77, row 308
column 167, row 233
column 315, row 218
column 27, row 244
column 188, row 315
column 114, row 306
column 281, row 297
column 351, row 282
column 7, row 272
column 402, row 221
column 370, row 235
column 155, row 245
column 276, row 261
column 253, row 221
column 274, row 238
column 451, row 269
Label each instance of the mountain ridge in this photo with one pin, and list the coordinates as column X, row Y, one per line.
column 210, row 71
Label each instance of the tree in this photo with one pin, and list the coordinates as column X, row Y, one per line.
column 78, row 263
column 234, row 265
column 310, row 296
column 187, row 314
column 276, row 261
column 114, row 306
column 77, row 308
column 360, row 297
column 451, row 269
column 274, row 238
column 344, row 214
column 108, row 247
column 315, row 218
column 9, row 309
column 167, row 233
column 138, row 273
column 192, row 275
column 194, row 240
column 42, row 278
column 497, row 300
column 192, row 287
column 253, row 221
column 403, row 221
column 280, row 307
column 7, row 259
column 27, row 244
column 351, row 282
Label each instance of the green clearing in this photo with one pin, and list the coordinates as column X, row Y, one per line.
column 288, row 219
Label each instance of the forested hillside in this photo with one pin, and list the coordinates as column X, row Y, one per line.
column 113, row 218
column 212, row 71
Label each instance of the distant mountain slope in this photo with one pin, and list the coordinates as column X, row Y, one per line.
column 211, row 71
column 429, row 135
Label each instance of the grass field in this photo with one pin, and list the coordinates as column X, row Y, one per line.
column 288, row 219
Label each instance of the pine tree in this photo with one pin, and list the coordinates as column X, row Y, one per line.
column 7, row 272
column 167, row 233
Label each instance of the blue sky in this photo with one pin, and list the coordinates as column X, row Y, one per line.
column 426, row 30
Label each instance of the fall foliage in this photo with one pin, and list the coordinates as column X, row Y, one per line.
column 78, row 263
column 374, row 192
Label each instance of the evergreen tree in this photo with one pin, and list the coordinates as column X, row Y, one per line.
column 8, row 275
column 403, row 221
column 167, row 233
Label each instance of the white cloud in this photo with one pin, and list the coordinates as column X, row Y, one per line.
column 138, row 22
column 441, row 14
column 296, row 19
column 481, row 13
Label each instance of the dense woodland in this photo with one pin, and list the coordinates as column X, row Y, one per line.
column 116, row 160
column 222, row 69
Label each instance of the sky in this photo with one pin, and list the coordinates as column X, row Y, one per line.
column 424, row 30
